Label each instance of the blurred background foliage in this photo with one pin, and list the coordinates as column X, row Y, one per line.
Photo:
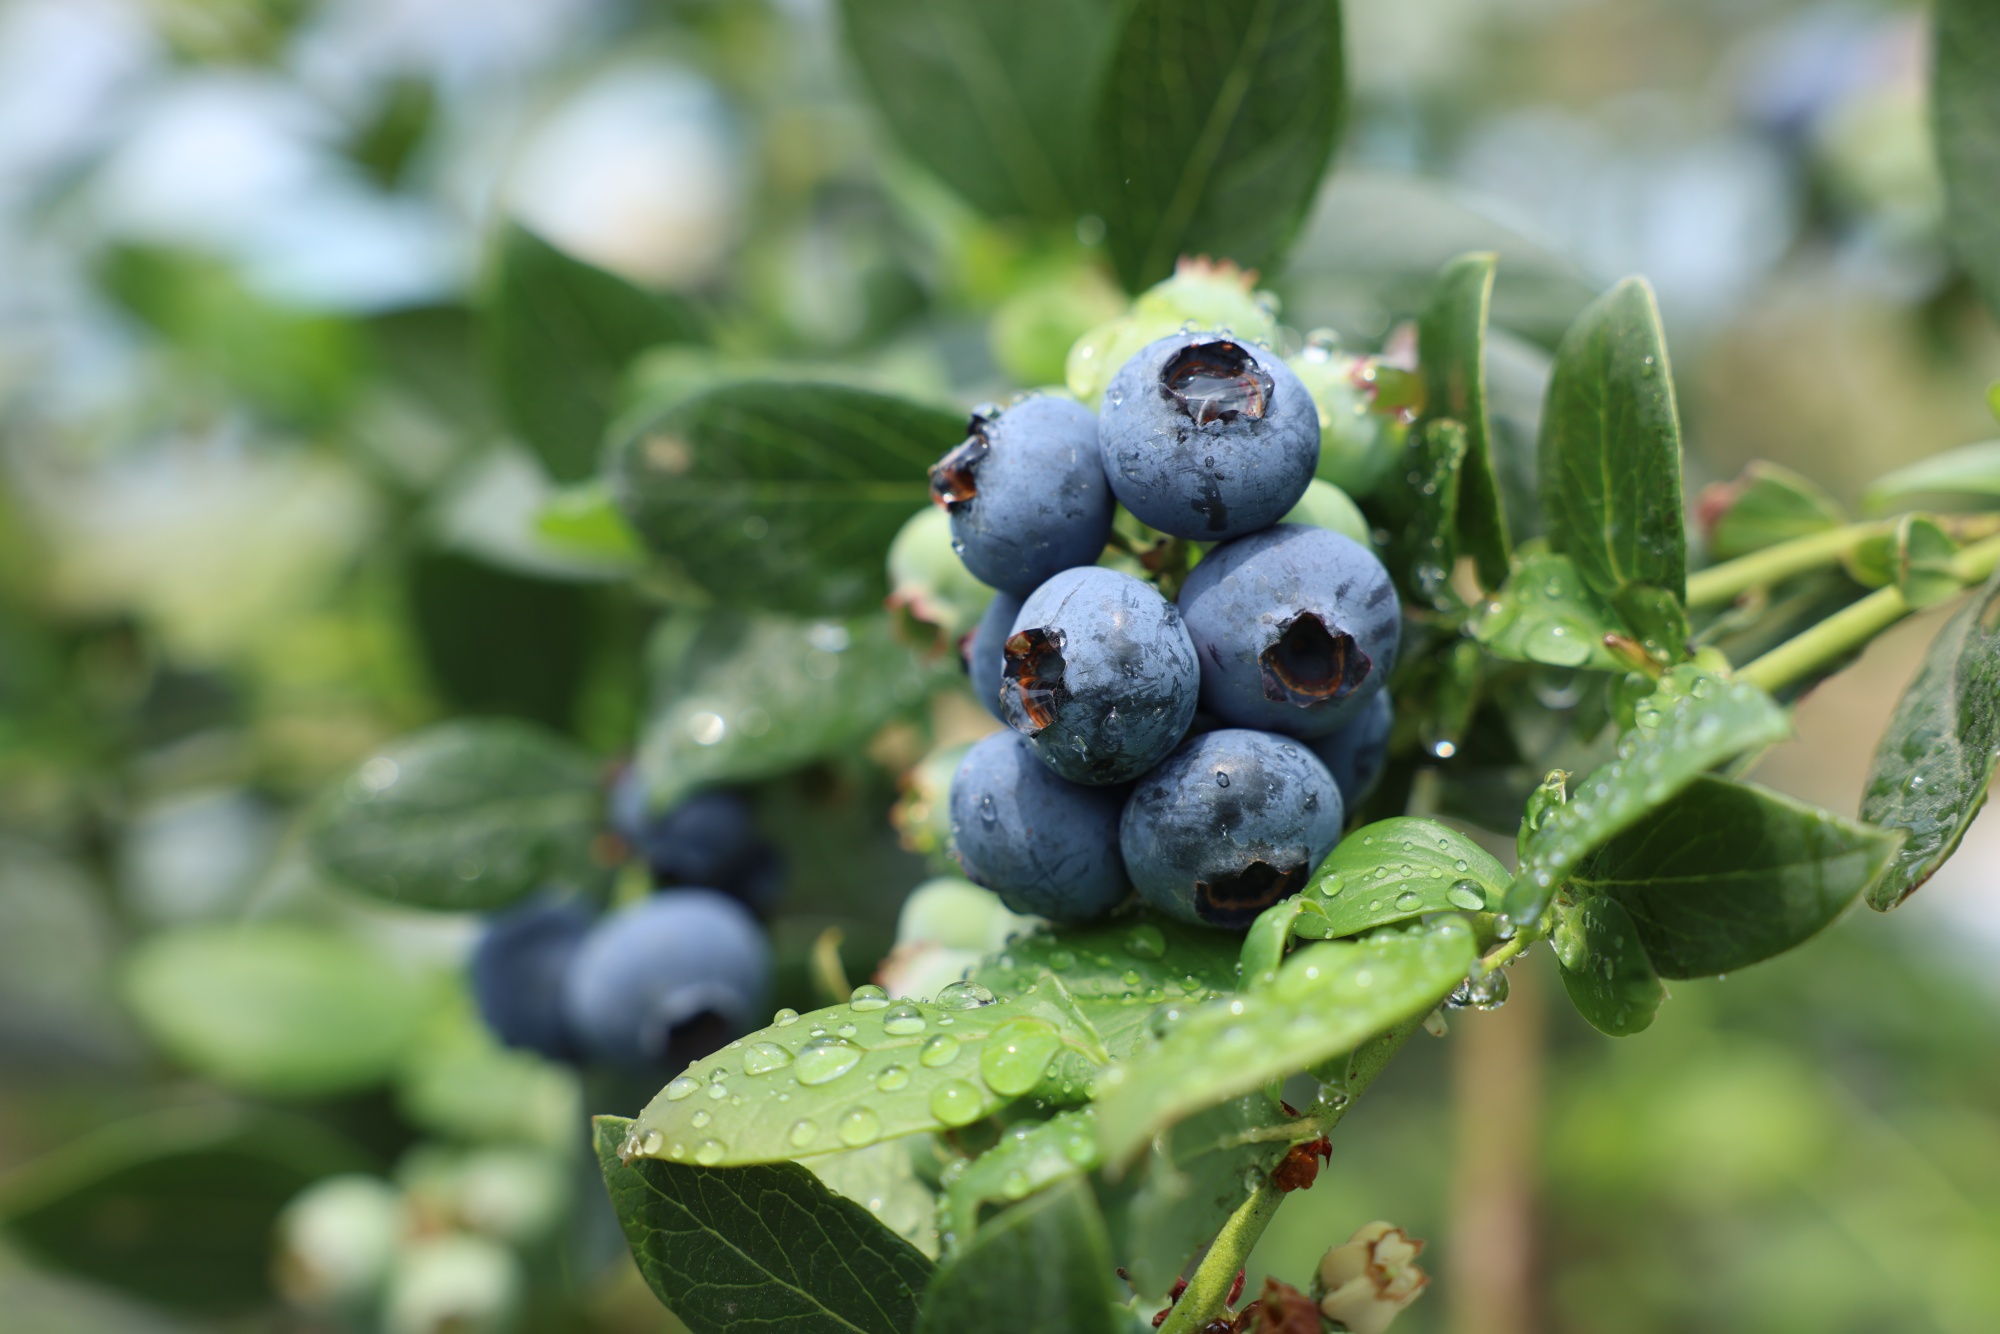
column 260, row 513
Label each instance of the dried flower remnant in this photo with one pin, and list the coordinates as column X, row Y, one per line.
column 1365, row 1282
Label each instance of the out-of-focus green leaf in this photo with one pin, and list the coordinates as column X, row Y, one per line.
column 1966, row 109
column 1327, row 999
column 780, row 493
column 465, row 816
column 1724, row 875
column 1604, row 966
column 740, row 698
column 584, row 521
column 559, row 335
column 1970, row 470
column 499, row 642
column 990, row 97
column 1029, row 1157
column 1767, row 505
column 1396, row 869
column 1042, row 1265
column 1214, row 125
column 276, row 1008
column 1936, row 760
column 765, row 1247
column 1610, row 453
column 1545, row 613
column 174, row 1208
column 1451, row 349
column 1925, row 570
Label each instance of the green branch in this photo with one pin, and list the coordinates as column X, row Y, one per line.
column 1208, row 1290
column 1775, row 564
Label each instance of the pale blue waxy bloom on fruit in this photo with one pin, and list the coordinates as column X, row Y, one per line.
column 1045, row 845
column 1358, row 752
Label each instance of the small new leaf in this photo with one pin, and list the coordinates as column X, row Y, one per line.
column 1604, row 966
column 1327, row 999
column 1767, row 505
column 1397, row 869
column 1546, row 613
column 766, row 1247
column 1936, row 760
column 1042, row 1265
column 1451, row 349
column 1970, row 470
column 1725, row 874
column 1925, row 571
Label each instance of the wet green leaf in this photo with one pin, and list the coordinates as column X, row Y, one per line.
column 1771, row 504
column 850, row 1075
column 1396, row 869
column 174, row 1208
column 1213, row 127
column 1328, row 998
column 1690, row 724
column 780, row 492
column 1970, row 470
column 1545, row 613
column 1427, row 547
column 1451, row 349
column 989, row 97
column 1610, row 454
column 1029, row 1157
column 1936, row 760
column 559, row 336
column 1966, row 110
column 1724, row 875
column 885, row 1178
column 765, row 1247
column 1042, row 1265
column 1604, row 966
column 464, row 816
column 741, row 698
column 276, row 1008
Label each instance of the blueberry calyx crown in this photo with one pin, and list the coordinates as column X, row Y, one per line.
column 955, row 477
column 1308, row 664
column 1235, row 900
column 1216, row 382
column 1033, row 676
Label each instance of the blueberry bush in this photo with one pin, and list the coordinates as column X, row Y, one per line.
column 1256, row 701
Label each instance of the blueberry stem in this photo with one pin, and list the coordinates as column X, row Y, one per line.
column 1774, row 564
column 1208, row 1290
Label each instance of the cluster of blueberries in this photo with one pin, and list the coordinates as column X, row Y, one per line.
column 653, row 984
column 1202, row 750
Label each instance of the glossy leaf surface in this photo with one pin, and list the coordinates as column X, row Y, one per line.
column 1545, row 613
column 1451, row 350
column 1042, row 1265
column 1604, row 966
column 1396, row 869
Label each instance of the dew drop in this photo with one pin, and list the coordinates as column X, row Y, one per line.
column 709, row 1152
column 940, row 1050
column 903, row 1020
column 826, row 1059
column 1409, row 901
column 761, row 1058
column 964, row 996
column 1016, row 1055
column 892, row 1078
column 957, row 1103
column 649, row 1143
column 859, row 1126
column 1465, row 894
column 1062, row 961
column 802, row 1133
column 1146, row 941
column 701, row 1118
column 683, row 1086
column 785, row 1018
column 868, row 996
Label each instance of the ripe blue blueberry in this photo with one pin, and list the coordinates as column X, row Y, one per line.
column 1358, row 752
column 1100, row 676
column 1234, row 821
column 1207, row 438
column 1044, row 845
column 986, row 650
column 1297, row 628
column 667, row 980
column 518, row 968
column 1026, row 493
column 710, row 839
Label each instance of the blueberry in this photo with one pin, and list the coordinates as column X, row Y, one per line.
column 1026, row 493
column 710, row 839
column 1207, row 438
column 986, row 650
column 1297, row 628
column 518, row 968
column 1232, row 822
column 1100, row 675
column 1357, row 753
column 667, row 980
column 1045, row 846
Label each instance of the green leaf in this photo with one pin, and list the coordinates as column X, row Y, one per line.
column 1966, row 110
column 462, row 817
column 1925, row 569
column 1969, row 470
column 1546, row 613
column 1042, row 1265
column 1030, row 1156
column 847, row 1076
column 583, row 522
column 1725, row 874
column 1119, row 972
column 559, row 335
column 741, row 698
column 1434, row 461
column 780, row 493
column 1396, row 869
column 174, row 1208
column 1936, row 759
column 1610, row 454
column 1327, row 999
column 1690, row 724
column 989, row 96
column 1451, row 349
column 1604, row 966
column 276, row 1008
column 1213, row 127
column 885, row 1177
column 766, row 1247
column 1770, row 504
column 459, row 1083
